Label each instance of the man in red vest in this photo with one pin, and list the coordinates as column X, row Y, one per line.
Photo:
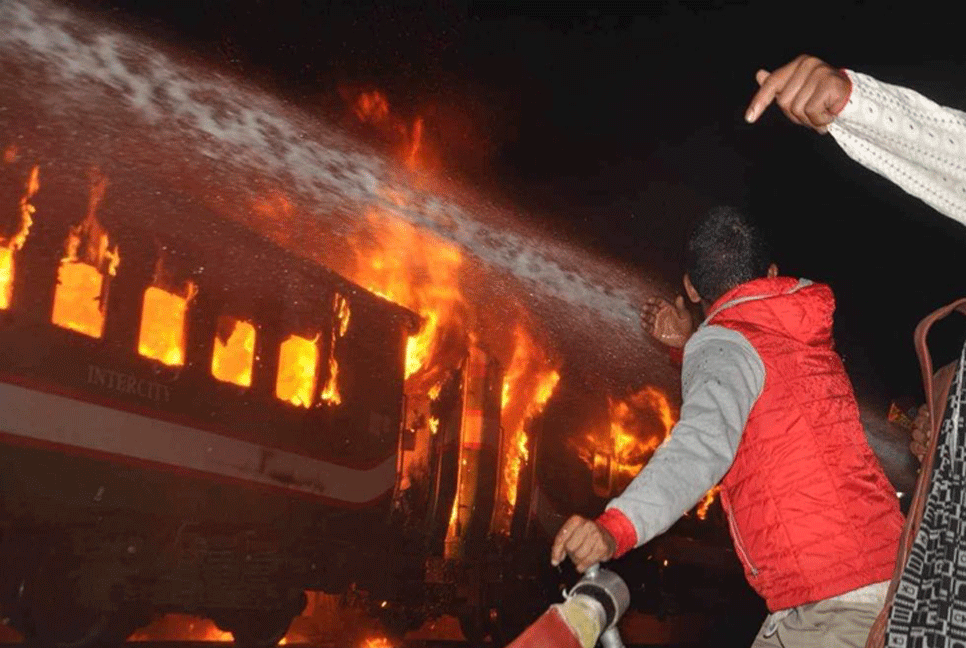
column 768, row 411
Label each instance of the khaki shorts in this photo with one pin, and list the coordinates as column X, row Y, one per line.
column 826, row 624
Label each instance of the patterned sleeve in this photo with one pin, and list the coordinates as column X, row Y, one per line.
column 907, row 138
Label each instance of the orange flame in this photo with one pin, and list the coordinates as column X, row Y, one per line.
column 330, row 393
column 164, row 315
column 638, row 425
column 181, row 627
column 378, row 642
column 9, row 246
column 417, row 270
column 298, row 361
column 527, row 386
column 184, row 627
column 372, row 107
column 706, row 501
column 234, row 351
column 80, row 299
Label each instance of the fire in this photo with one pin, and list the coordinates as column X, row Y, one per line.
column 378, row 642
column 298, row 361
column 10, row 246
column 417, row 270
column 372, row 107
column 706, row 501
column 637, row 425
column 234, row 351
column 181, row 627
column 164, row 319
column 80, row 300
column 527, row 386
column 330, row 393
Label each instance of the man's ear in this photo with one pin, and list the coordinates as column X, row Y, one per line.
column 772, row 271
column 691, row 290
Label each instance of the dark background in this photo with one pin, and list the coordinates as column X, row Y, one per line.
column 616, row 124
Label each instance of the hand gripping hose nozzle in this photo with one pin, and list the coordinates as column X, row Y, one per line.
column 588, row 617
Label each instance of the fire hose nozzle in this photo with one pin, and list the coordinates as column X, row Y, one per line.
column 606, row 588
column 587, row 617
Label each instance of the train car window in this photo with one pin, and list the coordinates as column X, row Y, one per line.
column 298, row 366
column 80, row 301
column 234, row 351
column 164, row 324
column 89, row 263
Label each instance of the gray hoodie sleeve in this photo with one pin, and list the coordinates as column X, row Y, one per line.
column 721, row 379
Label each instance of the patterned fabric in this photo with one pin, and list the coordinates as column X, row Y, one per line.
column 812, row 514
column 929, row 608
column 909, row 139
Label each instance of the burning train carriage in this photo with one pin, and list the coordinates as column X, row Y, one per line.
column 190, row 423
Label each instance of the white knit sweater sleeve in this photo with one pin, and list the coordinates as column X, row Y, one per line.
column 909, row 139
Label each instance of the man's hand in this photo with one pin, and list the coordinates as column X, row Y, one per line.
column 809, row 91
column 921, row 431
column 668, row 323
column 586, row 542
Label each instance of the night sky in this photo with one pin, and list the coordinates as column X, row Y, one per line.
column 616, row 124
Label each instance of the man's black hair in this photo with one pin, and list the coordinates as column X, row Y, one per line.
column 725, row 250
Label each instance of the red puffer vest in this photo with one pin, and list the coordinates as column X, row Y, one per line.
column 812, row 514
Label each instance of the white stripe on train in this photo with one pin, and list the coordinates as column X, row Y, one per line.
column 48, row 418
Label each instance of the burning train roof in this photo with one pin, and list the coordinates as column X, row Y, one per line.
column 77, row 90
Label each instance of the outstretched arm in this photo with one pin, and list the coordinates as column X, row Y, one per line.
column 894, row 131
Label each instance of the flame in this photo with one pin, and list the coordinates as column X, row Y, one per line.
column 372, row 108
column 706, row 501
column 298, row 361
column 9, row 246
column 184, row 627
column 528, row 385
column 378, row 642
column 80, row 299
column 417, row 270
column 330, row 393
column 638, row 425
column 181, row 627
column 234, row 351
column 163, row 324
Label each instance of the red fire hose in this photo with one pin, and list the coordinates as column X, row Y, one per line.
column 588, row 614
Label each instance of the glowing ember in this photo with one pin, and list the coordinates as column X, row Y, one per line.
column 181, row 627
column 298, row 362
column 378, row 642
column 527, row 386
column 163, row 325
column 330, row 393
column 234, row 352
column 706, row 501
column 9, row 246
column 80, row 299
